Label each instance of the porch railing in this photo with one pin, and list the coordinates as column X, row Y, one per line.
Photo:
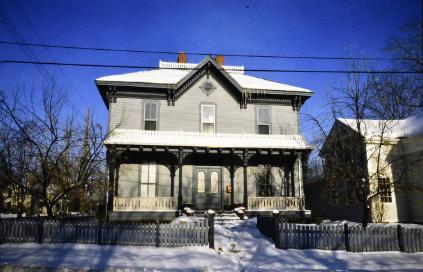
column 278, row 203
column 131, row 204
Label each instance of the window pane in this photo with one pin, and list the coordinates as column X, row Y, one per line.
column 200, row 182
column 147, row 115
column 208, row 127
column 144, row 173
column 263, row 116
column 151, row 190
column 207, row 113
column 144, row 192
column 150, row 125
column 263, row 129
column 152, row 172
column 153, row 114
column 214, row 183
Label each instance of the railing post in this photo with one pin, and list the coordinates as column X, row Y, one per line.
column 157, row 233
column 210, row 216
column 400, row 238
column 346, row 237
column 40, row 229
column 276, row 230
column 100, row 232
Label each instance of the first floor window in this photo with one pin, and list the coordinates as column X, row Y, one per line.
column 263, row 120
column 265, row 182
column 384, row 188
column 150, row 115
column 148, row 179
column 208, row 118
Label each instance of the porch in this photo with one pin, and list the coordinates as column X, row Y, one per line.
column 206, row 171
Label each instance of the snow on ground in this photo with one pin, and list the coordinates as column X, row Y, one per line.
column 239, row 247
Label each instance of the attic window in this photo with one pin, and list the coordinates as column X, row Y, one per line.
column 263, row 120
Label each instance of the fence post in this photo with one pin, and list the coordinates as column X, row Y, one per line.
column 346, row 237
column 157, row 233
column 40, row 230
column 276, row 230
column 400, row 238
column 210, row 215
column 100, row 232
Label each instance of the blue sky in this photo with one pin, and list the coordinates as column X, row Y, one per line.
column 322, row 28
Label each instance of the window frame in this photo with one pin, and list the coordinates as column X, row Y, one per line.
column 201, row 116
column 144, row 119
column 268, row 108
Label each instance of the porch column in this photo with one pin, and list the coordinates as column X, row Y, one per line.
column 297, row 173
column 232, row 176
column 245, row 165
column 180, row 160
column 172, row 180
column 111, row 161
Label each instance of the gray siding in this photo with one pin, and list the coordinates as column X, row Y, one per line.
column 185, row 115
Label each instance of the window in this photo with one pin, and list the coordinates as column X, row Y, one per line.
column 201, row 182
column 263, row 120
column 384, row 188
column 148, row 179
column 150, row 115
column 208, row 118
column 265, row 182
column 214, row 183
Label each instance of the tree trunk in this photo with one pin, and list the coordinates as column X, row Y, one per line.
column 366, row 213
column 49, row 210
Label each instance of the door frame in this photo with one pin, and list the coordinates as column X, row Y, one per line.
column 198, row 168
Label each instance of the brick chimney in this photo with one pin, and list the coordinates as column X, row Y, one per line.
column 182, row 57
column 220, row 59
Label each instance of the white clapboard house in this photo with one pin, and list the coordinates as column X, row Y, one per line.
column 204, row 136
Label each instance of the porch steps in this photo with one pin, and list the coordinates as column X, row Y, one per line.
column 223, row 218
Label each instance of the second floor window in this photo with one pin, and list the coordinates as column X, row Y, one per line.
column 208, row 118
column 263, row 120
column 150, row 115
column 385, row 192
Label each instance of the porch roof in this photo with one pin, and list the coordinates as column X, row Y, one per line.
column 196, row 139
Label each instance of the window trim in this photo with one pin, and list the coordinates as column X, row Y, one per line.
column 157, row 113
column 201, row 116
column 269, row 109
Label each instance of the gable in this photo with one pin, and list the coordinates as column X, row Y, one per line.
column 206, row 69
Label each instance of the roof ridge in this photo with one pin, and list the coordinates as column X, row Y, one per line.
column 178, row 65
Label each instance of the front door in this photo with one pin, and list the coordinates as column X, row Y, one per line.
column 207, row 188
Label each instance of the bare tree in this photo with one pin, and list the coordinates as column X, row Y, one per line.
column 64, row 155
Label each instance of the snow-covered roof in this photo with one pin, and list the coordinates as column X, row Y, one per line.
column 410, row 127
column 171, row 73
column 196, row 139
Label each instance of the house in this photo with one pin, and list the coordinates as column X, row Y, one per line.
column 204, row 136
column 392, row 159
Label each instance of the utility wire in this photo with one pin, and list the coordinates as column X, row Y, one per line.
column 197, row 53
column 247, row 70
column 48, row 51
column 9, row 26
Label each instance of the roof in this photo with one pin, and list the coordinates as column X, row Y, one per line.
column 409, row 127
column 171, row 73
column 196, row 139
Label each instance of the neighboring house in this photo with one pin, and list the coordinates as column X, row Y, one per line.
column 393, row 162
column 204, row 136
